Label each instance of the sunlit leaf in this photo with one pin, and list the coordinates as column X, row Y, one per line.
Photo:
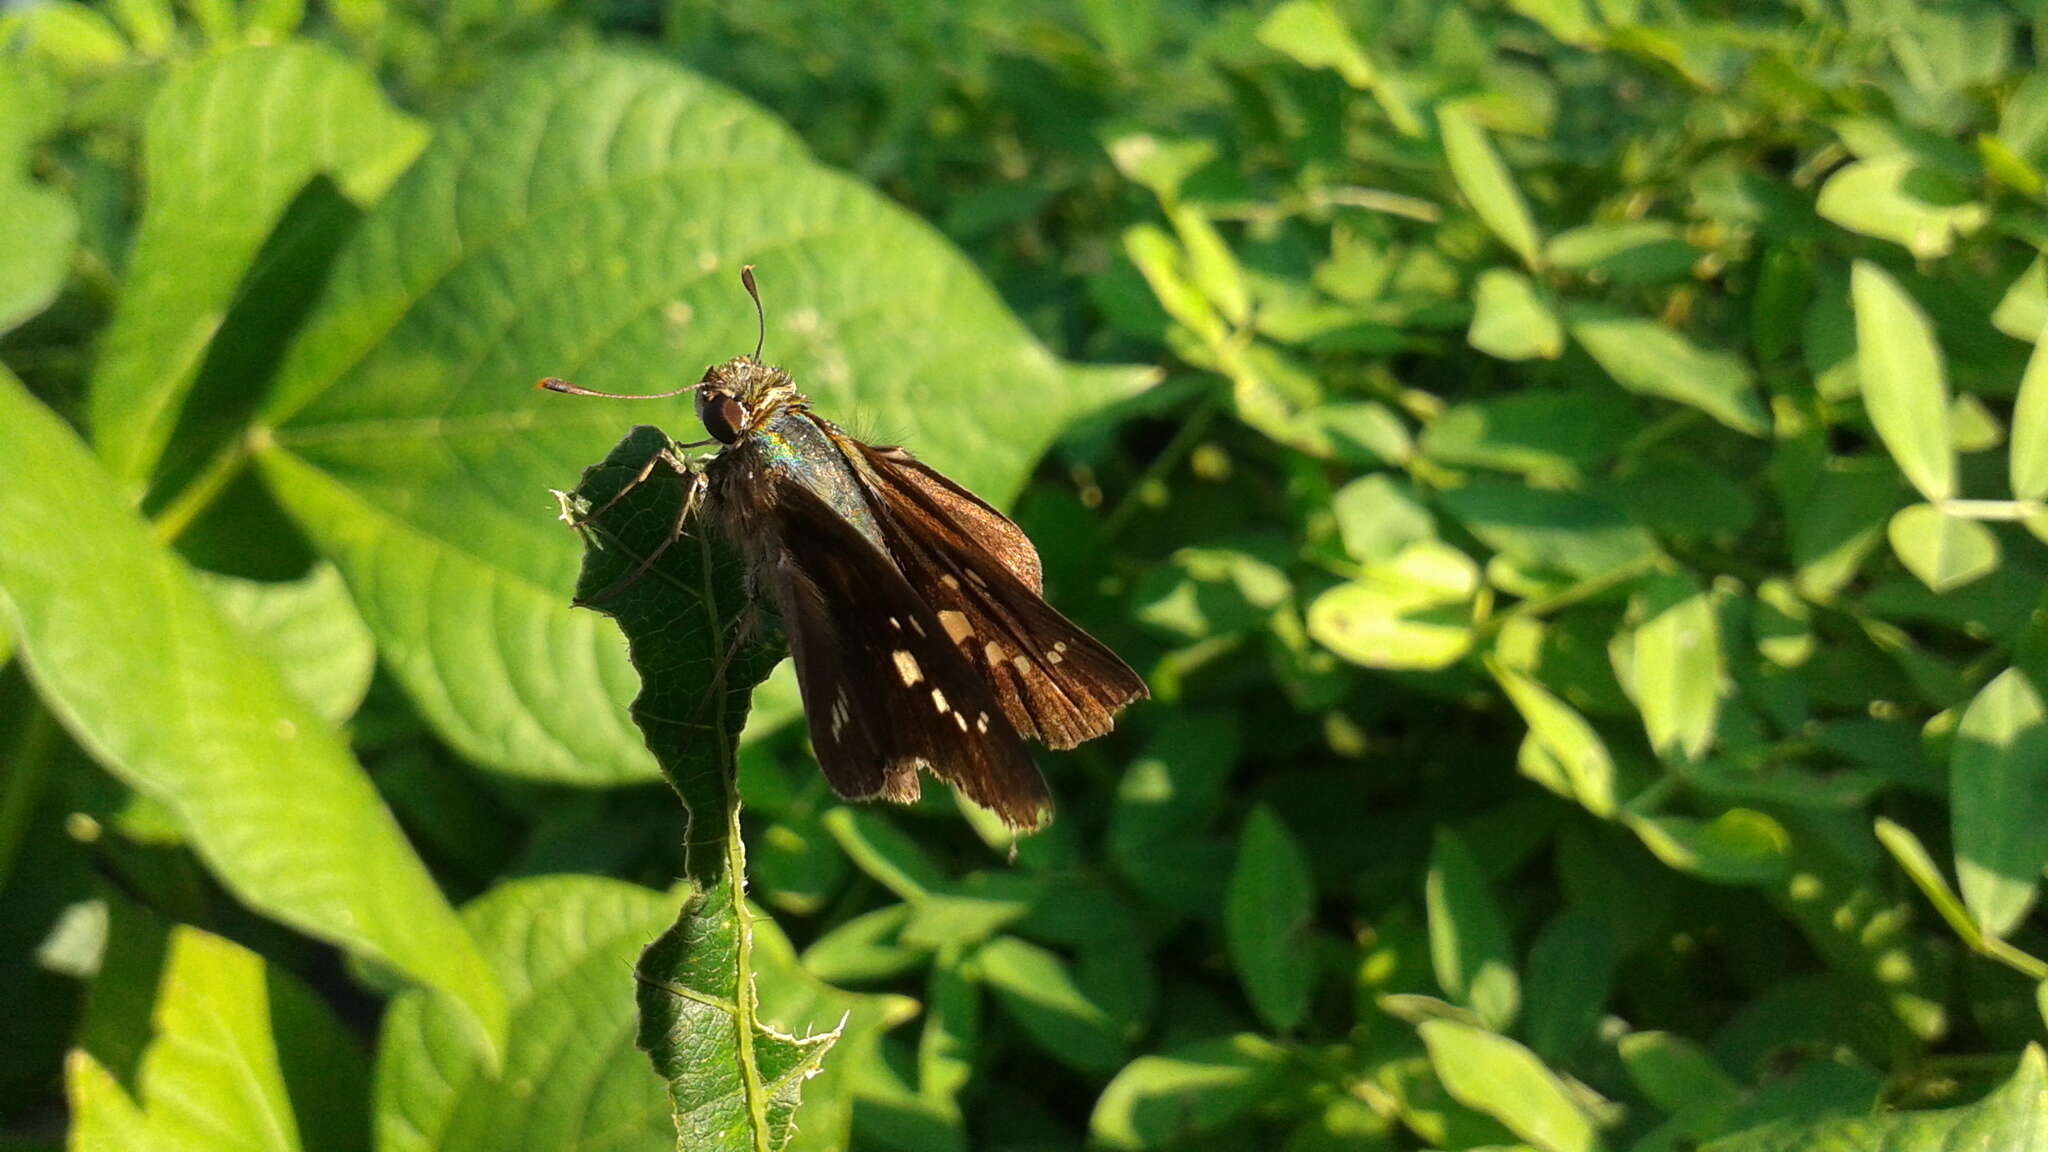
column 1998, row 785
column 1904, row 391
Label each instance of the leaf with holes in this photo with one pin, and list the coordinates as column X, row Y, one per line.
column 586, row 216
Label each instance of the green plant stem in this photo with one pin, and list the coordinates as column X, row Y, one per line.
column 1169, row 458
column 1585, row 589
column 28, row 771
column 2014, row 510
column 195, row 497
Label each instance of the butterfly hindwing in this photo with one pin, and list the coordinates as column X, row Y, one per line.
column 1054, row 681
column 884, row 691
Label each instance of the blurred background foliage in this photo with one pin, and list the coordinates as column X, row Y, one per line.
column 1584, row 536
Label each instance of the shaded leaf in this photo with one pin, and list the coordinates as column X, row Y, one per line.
column 229, row 142
column 1266, row 916
column 1998, row 787
column 1184, row 1090
column 2012, row 1116
column 1488, row 185
column 1647, row 358
column 1945, row 552
column 1507, row 1082
column 1468, row 938
column 1511, row 320
column 308, row 630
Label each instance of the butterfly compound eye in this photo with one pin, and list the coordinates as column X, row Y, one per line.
column 723, row 417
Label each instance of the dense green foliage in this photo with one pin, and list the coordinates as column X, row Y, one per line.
column 1574, row 474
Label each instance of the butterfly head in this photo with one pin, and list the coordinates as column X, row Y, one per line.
column 740, row 395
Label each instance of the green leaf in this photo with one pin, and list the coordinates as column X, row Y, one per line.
column 1740, row 846
column 1675, row 672
column 1898, row 198
column 229, row 142
column 2023, row 311
column 1567, row 532
column 586, row 216
column 38, row 226
column 1312, row 34
column 1945, row 552
column 1468, row 937
column 1674, row 1073
column 130, row 653
column 1539, row 432
column 1904, row 392
column 2015, row 1116
column 1571, row 975
column 1998, row 788
column 308, row 630
column 242, row 1059
column 1649, row 359
column 1507, row 1082
column 1267, row 913
column 2029, row 462
column 1386, row 627
column 677, row 591
column 1161, row 1098
column 864, row 948
column 1512, row 320
column 1377, row 516
column 951, row 1041
column 561, row 947
column 1628, row 252
column 1037, row 990
column 1487, row 185
column 1565, row 737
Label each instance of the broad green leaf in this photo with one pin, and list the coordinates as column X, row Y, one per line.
column 1647, row 358
column 1673, row 1072
column 1267, row 913
column 1537, row 432
column 1675, row 671
column 1314, row 36
column 1571, row 975
column 77, row 39
column 951, row 1040
column 1161, row 164
column 38, row 225
column 1564, row 737
column 1377, row 516
column 2030, row 430
column 306, row 628
column 1381, row 627
column 881, row 850
column 586, row 216
column 1468, row 937
column 1897, row 198
column 676, row 590
column 1161, row 1098
column 1904, row 392
column 562, row 948
column 242, row 1058
column 1037, row 990
column 864, row 948
column 1512, row 320
column 1629, row 252
column 2014, row 1116
column 2023, row 311
column 1487, row 184
column 1839, row 521
column 1998, row 787
column 1740, row 846
column 1567, row 532
column 1507, row 1082
column 1165, row 802
column 229, row 142
column 103, row 1118
column 127, row 649
column 1211, row 263
column 1945, row 552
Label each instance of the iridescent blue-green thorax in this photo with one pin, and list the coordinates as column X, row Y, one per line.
column 772, row 436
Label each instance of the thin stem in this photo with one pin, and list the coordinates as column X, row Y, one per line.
column 195, row 497
column 1583, row 590
column 29, row 770
column 1169, row 458
column 1992, row 509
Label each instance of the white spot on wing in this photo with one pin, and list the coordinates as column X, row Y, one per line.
column 950, row 581
column 939, row 701
column 906, row 667
column 981, row 722
column 955, row 624
column 993, row 652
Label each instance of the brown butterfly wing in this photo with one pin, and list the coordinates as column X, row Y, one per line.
column 884, row 691
column 980, row 576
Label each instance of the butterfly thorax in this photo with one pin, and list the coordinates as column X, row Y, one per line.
column 771, row 437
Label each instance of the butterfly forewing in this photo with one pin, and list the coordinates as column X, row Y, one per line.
column 1054, row 681
column 884, row 691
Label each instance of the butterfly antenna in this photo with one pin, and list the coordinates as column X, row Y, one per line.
column 760, row 316
column 551, row 384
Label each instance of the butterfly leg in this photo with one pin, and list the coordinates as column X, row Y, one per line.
column 668, row 456
column 692, row 497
